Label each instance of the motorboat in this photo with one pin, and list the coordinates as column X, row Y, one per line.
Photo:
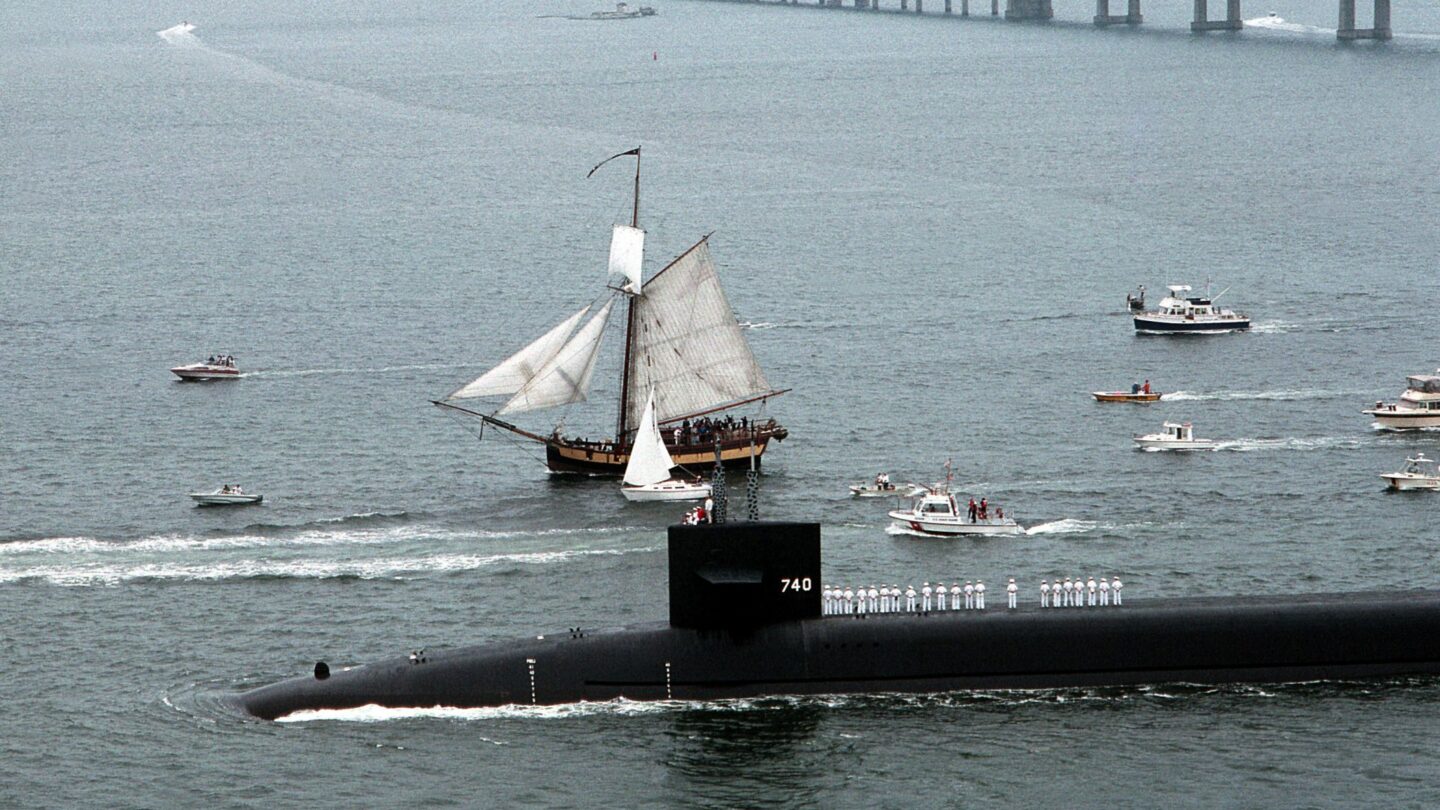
column 1175, row 436
column 1135, row 302
column 1419, row 473
column 882, row 487
column 623, row 12
column 1419, row 406
column 1136, row 393
column 935, row 511
column 227, row 495
column 647, row 473
column 1181, row 313
column 216, row 367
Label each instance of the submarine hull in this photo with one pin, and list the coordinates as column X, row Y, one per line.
column 1197, row 640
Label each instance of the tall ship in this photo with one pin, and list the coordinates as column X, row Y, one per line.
column 683, row 346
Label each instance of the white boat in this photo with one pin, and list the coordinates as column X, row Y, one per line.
column 882, row 488
column 647, row 473
column 1419, row 406
column 227, row 495
column 217, row 367
column 1419, row 473
column 935, row 511
column 1175, row 436
column 1182, row 314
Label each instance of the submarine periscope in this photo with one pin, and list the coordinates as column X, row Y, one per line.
column 746, row 620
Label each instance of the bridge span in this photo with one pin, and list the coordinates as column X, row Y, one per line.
column 1043, row 10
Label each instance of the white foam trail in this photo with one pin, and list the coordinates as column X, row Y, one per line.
column 1292, row 443
column 1273, row 327
column 305, row 372
column 1278, row 396
column 1063, row 526
column 895, row 530
column 382, row 568
column 759, row 325
column 1277, row 23
column 373, row 713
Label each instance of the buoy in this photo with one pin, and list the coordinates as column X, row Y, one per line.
column 655, row 56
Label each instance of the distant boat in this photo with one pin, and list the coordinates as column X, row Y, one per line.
column 936, row 512
column 623, row 12
column 1126, row 396
column 1419, row 406
column 1182, row 314
column 217, row 367
column 227, row 495
column 882, row 488
column 682, row 342
column 647, row 473
column 1419, row 473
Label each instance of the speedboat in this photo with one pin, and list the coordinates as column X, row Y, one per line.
column 1419, row 406
column 1419, row 473
column 227, row 495
column 217, row 367
column 647, row 473
column 1136, row 394
column 1180, row 313
column 623, row 12
column 1175, row 436
column 935, row 512
column 882, row 488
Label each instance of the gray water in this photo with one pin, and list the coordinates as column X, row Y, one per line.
column 929, row 225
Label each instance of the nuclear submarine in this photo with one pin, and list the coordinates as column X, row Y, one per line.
column 746, row 621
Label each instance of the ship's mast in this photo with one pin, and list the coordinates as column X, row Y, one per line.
column 620, row 426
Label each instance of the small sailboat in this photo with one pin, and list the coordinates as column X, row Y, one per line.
column 1175, row 436
column 647, row 473
column 1419, row 473
column 226, row 495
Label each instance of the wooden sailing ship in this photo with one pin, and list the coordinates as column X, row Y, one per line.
column 682, row 343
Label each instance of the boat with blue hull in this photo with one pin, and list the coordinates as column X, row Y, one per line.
column 746, row 620
column 1179, row 313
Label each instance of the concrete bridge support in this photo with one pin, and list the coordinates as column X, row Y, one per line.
column 1232, row 21
column 1104, row 17
column 919, row 6
column 994, row 8
column 1028, row 9
column 947, row 6
column 964, row 8
column 1348, row 31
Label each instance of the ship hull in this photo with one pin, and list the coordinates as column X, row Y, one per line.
column 1199, row 640
column 1152, row 325
column 582, row 459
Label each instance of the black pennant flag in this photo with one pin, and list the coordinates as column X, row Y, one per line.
column 635, row 152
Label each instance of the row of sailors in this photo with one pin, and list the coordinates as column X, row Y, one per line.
column 837, row 601
column 1072, row 592
column 1079, row 592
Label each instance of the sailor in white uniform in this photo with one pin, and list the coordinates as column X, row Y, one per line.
column 979, row 595
column 1044, row 593
column 940, row 595
column 969, row 595
column 874, row 599
column 955, row 596
column 849, row 601
column 1069, row 589
column 926, row 592
column 910, row 598
column 1090, row 586
column 826, row 600
column 1104, row 592
column 1079, row 592
column 1011, row 590
column 1115, row 589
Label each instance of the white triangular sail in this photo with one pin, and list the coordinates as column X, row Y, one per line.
column 627, row 255
column 521, row 367
column 650, row 462
column 565, row 378
column 686, row 345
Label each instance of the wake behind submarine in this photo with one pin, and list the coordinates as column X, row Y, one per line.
column 746, row 621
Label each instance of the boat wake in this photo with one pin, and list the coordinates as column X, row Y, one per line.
column 1277, row 396
column 1292, row 443
column 306, row 372
column 1064, row 526
column 178, row 34
column 1277, row 23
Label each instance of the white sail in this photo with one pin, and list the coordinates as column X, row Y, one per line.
column 627, row 255
column 566, row 377
column 686, row 345
column 521, row 367
column 650, row 462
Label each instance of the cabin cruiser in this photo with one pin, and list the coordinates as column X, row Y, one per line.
column 1419, row 473
column 882, row 487
column 623, row 12
column 1175, row 436
column 227, row 495
column 1419, row 406
column 1137, row 393
column 216, row 367
column 935, row 511
column 1180, row 313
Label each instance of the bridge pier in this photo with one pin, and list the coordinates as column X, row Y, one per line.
column 994, row 8
column 904, row 5
column 919, row 7
column 1104, row 17
column 1028, row 9
column 1347, row 30
column 964, row 8
column 947, row 6
column 1232, row 21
